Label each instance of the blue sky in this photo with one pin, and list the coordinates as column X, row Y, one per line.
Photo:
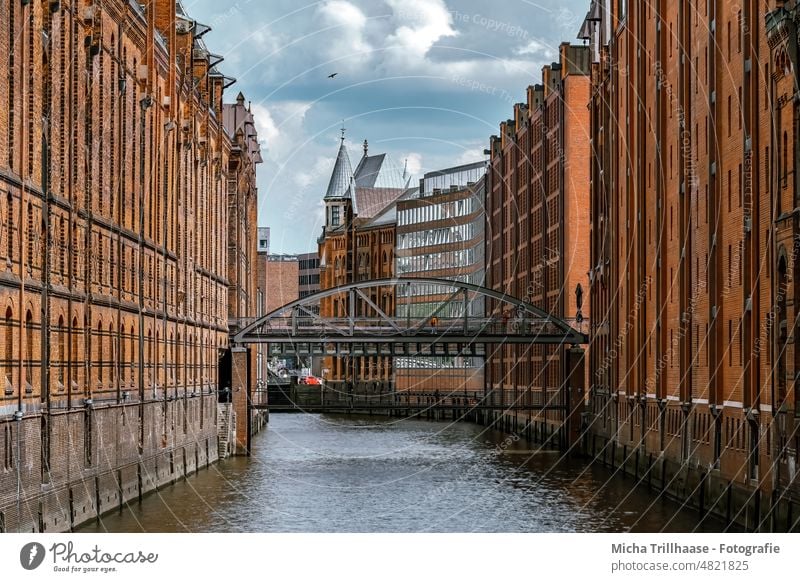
column 427, row 81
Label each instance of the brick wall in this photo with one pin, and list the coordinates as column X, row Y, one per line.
column 683, row 245
column 537, row 209
column 113, row 264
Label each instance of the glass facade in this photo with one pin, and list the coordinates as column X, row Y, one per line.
column 460, row 177
column 438, row 236
column 439, row 261
column 437, row 246
column 439, row 211
column 439, row 362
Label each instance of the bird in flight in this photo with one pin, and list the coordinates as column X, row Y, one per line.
column 332, row 75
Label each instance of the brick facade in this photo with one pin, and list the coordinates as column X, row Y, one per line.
column 114, row 279
column 692, row 234
column 282, row 281
column 537, row 244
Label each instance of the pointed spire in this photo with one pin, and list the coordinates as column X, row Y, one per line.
column 341, row 184
column 240, row 98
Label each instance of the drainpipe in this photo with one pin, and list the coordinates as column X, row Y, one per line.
column 145, row 103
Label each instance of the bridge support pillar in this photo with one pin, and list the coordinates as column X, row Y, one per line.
column 575, row 401
column 241, row 398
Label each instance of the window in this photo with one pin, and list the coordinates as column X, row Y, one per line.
column 75, row 334
column 30, row 235
column 61, row 356
column 335, row 216
column 28, row 351
column 9, row 228
column 62, row 247
column 110, row 353
column 8, row 358
column 99, row 344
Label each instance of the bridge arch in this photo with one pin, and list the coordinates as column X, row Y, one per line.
column 298, row 321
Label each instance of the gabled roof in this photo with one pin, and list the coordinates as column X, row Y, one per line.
column 379, row 172
column 237, row 119
column 373, row 187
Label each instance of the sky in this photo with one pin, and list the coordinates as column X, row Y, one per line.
column 426, row 81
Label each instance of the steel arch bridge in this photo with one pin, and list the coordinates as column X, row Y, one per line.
column 460, row 324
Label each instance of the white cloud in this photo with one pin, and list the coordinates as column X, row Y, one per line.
column 349, row 42
column 537, row 48
column 423, row 23
column 470, row 156
column 280, row 127
column 414, row 164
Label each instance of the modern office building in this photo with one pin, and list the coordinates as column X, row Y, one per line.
column 308, row 273
column 440, row 235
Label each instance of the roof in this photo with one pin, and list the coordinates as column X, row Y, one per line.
column 371, row 201
column 389, row 213
column 237, row 118
column 375, row 184
column 342, row 184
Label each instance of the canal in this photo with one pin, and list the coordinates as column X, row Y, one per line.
column 320, row 473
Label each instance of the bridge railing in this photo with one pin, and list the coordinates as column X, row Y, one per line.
column 317, row 327
column 381, row 396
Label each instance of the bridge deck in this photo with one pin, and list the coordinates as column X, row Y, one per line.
column 353, row 407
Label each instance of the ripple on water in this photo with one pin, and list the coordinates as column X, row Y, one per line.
column 313, row 473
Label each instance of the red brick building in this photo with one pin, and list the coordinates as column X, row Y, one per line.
column 537, row 212
column 114, row 284
column 357, row 244
column 243, row 243
column 282, row 283
column 693, row 131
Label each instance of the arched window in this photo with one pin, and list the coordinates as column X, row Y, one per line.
column 154, row 364
column 149, row 362
column 179, row 360
column 28, row 350
column 75, row 273
column 73, row 356
column 190, row 360
column 171, row 357
column 30, row 235
column 110, row 351
column 61, row 359
column 131, row 357
column 8, row 357
column 9, row 228
column 99, row 343
column 62, row 247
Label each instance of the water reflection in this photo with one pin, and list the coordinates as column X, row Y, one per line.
column 312, row 473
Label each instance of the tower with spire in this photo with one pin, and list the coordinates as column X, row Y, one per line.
column 340, row 197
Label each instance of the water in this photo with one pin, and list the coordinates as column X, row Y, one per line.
column 321, row 473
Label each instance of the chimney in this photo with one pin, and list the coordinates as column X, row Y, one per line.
column 163, row 19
